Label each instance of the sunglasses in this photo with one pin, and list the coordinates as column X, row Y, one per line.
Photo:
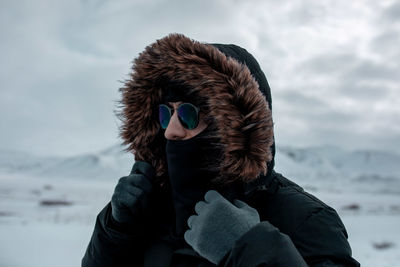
column 188, row 115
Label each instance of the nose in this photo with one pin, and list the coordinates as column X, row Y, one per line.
column 175, row 130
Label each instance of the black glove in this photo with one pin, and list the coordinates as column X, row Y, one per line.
column 130, row 198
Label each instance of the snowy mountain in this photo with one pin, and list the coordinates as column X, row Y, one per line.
column 335, row 169
column 328, row 168
column 336, row 159
column 105, row 164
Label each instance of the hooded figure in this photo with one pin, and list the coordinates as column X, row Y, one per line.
column 203, row 190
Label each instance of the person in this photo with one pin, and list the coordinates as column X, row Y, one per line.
column 203, row 190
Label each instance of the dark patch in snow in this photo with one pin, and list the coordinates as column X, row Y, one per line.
column 395, row 208
column 47, row 187
column 353, row 206
column 375, row 178
column 6, row 214
column 55, row 202
column 383, row 245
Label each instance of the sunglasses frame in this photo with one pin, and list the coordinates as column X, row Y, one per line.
column 170, row 110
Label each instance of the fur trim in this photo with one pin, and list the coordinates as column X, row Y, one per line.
column 243, row 119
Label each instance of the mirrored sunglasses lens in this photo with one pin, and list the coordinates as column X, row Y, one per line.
column 188, row 116
column 164, row 116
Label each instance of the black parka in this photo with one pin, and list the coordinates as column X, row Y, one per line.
column 296, row 228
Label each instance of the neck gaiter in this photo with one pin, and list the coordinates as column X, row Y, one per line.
column 190, row 172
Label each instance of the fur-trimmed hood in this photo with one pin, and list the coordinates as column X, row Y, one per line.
column 236, row 92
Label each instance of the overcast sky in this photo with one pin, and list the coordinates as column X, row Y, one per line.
column 333, row 66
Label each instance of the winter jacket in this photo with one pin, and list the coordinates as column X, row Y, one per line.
column 296, row 228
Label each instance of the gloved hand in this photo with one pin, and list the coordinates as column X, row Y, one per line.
column 218, row 225
column 130, row 198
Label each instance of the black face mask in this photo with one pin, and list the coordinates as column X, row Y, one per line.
column 190, row 173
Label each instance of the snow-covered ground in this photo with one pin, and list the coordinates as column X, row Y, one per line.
column 48, row 206
column 34, row 233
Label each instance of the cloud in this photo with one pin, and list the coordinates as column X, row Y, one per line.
column 386, row 44
column 392, row 12
column 339, row 82
column 328, row 64
column 370, row 70
column 60, row 75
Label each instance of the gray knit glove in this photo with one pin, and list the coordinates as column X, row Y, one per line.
column 130, row 198
column 218, row 225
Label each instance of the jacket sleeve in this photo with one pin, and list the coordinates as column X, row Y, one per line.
column 112, row 244
column 263, row 245
column 320, row 241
